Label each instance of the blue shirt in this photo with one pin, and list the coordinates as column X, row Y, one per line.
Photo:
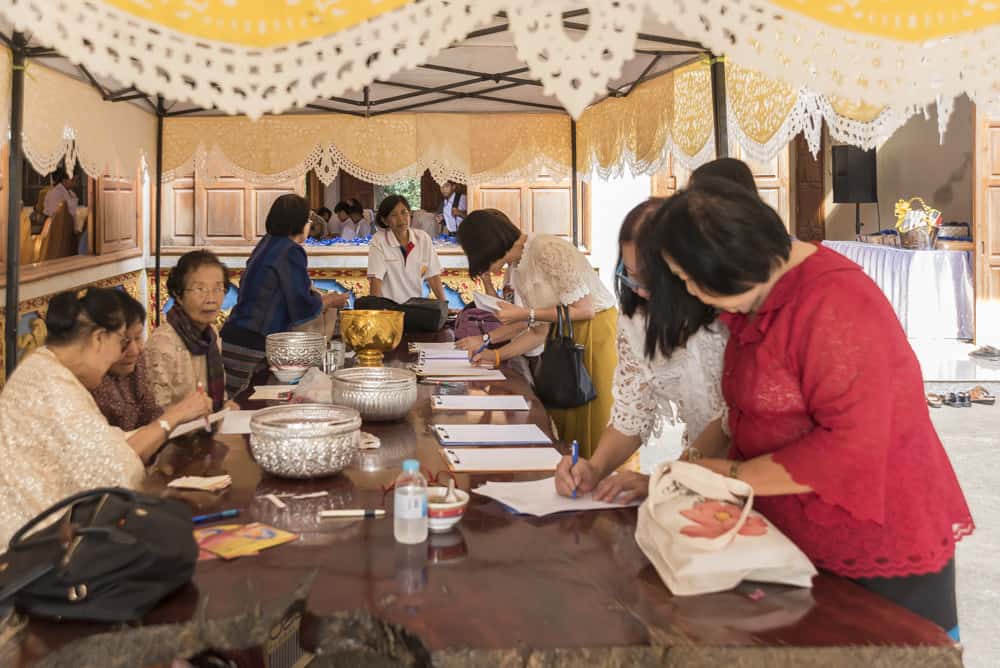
column 275, row 291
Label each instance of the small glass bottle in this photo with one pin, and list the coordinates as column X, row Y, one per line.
column 410, row 505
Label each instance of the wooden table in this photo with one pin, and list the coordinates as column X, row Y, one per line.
column 500, row 590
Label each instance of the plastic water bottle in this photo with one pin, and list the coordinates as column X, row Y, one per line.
column 410, row 507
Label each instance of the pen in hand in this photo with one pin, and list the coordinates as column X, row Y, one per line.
column 576, row 458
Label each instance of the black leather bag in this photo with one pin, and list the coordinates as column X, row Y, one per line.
column 419, row 315
column 562, row 380
column 112, row 557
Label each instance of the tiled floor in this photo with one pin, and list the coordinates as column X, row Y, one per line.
column 947, row 361
column 972, row 438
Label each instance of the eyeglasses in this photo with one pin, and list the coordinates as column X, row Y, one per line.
column 218, row 290
column 626, row 280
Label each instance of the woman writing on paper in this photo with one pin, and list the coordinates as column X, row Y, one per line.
column 401, row 258
column 546, row 272
column 125, row 395
column 826, row 401
column 54, row 441
column 669, row 349
column 276, row 293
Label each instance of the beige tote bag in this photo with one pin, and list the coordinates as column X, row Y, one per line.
column 700, row 532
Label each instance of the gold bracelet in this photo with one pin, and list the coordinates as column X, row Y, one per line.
column 496, row 352
column 691, row 454
column 734, row 469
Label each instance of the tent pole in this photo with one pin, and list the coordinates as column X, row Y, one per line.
column 718, row 65
column 574, row 185
column 15, row 172
column 158, row 184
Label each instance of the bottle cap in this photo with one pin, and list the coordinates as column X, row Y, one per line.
column 411, row 466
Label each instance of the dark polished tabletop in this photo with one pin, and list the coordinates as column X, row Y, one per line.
column 498, row 589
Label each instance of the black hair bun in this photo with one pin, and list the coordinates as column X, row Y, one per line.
column 62, row 315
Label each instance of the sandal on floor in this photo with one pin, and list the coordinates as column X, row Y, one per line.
column 957, row 400
column 935, row 400
column 980, row 395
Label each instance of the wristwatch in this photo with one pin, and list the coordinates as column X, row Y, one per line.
column 486, row 339
column 165, row 426
column 531, row 318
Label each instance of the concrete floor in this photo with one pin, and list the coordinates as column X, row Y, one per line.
column 971, row 437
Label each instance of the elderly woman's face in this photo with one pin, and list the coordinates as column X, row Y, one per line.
column 204, row 290
column 741, row 303
column 398, row 219
column 133, row 350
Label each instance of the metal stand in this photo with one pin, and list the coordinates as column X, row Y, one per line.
column 15, row 171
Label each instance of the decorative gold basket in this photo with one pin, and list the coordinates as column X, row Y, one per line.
column 917, row 223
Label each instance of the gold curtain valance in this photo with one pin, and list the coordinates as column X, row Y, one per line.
column 470, row 148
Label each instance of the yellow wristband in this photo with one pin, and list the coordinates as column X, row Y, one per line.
column 496, row 352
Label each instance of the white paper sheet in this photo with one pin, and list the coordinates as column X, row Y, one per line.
column 421, row 347
column 487, row 375
column 195, row 425
column 236, row 422
column 539, row 498
column 271, row 392
column 479, row 402
column 449, row 354
column 486, row 302
column 502, row 459
column 452, row 367
column 458, row 435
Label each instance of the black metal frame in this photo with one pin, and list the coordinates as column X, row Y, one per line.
column 366, row 107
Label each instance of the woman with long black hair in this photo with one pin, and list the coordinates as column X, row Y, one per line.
column 669, row 349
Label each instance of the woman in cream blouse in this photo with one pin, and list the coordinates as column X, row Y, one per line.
column 546, row 272
column 183, row 354
column 54, row 442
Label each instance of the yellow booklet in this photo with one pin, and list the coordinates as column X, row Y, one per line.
column 247, row 540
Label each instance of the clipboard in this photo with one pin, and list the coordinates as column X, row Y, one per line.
column 500, row 460
column 489, row 435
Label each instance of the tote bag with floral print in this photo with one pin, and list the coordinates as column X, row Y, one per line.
column 700, row 531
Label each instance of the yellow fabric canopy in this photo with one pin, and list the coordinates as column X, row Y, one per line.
column 256, row 23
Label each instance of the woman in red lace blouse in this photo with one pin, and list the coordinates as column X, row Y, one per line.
column 827, row 414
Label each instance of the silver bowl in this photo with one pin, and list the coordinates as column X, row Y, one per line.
column 379, row 393
column 295, row 349
column 304, row 440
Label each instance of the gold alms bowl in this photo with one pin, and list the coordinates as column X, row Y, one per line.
column 371, row 333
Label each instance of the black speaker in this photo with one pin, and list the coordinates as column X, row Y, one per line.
column 854, row 178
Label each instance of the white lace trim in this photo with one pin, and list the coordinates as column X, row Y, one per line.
column 256, row 81
column 784, row 45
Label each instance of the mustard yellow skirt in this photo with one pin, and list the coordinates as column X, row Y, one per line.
column 586, row 423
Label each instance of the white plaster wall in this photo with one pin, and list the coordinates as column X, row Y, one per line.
column 610, row 201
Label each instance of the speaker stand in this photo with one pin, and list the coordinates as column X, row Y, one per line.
column 857, row 220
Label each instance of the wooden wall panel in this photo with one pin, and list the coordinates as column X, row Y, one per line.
column 551, row 211
column 986, row 220
column 178, row 212
column 118, row 217
column 508, row 199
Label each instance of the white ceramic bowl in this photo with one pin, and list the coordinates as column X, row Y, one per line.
column 289, row 374
column 443, row 516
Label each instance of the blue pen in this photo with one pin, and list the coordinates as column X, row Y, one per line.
column 576, row 458
column 211, row 517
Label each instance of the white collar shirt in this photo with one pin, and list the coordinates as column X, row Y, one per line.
column 402, row 279
column 451, row 221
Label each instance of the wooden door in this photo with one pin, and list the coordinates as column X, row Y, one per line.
column 229, row 211
column 177, row 223
column 809, row 221
column 117, row 222
column 350, row 187
column 771, row 178
column 986, row 217
column 430, row 193
column 544, row 206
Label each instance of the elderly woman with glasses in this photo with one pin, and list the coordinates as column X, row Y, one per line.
column 125, row 395
column 183, row 354
column 54, row 441
column 670, row 349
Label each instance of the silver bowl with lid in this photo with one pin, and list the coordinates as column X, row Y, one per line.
column 295, row 349
column 380, row 393
column 305, row 440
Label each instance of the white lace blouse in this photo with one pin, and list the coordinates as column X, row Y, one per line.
column 551, row 272
column 690, row 378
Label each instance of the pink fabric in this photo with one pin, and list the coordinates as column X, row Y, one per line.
column 825, row 380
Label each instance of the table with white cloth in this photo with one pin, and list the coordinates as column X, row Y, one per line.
column 930, row 290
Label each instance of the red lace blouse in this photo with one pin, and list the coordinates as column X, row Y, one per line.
column 825, row 380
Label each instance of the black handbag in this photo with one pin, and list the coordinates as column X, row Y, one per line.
column 419, row 315
column 562, row 380
column 112, row 557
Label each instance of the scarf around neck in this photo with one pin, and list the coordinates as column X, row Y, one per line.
column 202, row 342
